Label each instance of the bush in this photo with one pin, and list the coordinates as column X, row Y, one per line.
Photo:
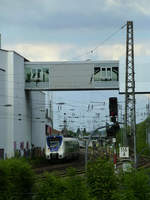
column 101, row 179
column 75, row 187
column 16, row 179
column 53, row 187
column 133, row 186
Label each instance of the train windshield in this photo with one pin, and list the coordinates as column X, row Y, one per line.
column 54, row 142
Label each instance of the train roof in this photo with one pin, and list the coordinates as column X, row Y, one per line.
column 64, row 138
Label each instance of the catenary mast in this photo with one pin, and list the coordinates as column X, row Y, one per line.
column 130, row 113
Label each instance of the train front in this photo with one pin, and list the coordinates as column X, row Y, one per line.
column 53, row 147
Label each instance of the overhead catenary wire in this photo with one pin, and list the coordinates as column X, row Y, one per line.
column 105, row 40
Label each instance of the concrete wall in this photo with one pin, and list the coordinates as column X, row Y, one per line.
column 22, row 106
column 18, row 124
column 15, row 120
column 23, row 122
column 39, row 120
column 4, row 111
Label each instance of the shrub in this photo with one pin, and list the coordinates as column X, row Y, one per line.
column 16, row 178
column 101, row 179
column 51, row 187
column 133, row 185
column 75, row 187
column 72, row 187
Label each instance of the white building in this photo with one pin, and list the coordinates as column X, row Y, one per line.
column 25, row 109
column 22, row 122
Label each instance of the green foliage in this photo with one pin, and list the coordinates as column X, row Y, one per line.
column 16, row 178
column 134, row 186
column 51, row 187
column 71, row 133
column 141, row 137
column 101, row 179
column 57, row 188
column 123, row 195
column 101, row 183
column 75, row 187
column 4, row 181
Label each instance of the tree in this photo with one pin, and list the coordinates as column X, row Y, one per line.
column 101, row 179
column 16, row 179
column 72, row 187
column 133, row 185
column 84, row 132
column 75, row 187
column 51, row 188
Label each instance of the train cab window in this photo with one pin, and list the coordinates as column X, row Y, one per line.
column 115, row 74
column 53, row 142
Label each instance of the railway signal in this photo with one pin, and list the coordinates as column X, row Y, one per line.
column 113, row 108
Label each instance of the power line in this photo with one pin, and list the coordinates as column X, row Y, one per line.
column 105, row 40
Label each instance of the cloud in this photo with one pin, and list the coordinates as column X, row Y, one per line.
column 116, row 51
column 68, row 14
column 142, row 6
column 136, row 6
column 43, row 52
column 64, row 52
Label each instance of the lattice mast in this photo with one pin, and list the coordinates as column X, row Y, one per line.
column 130, row 113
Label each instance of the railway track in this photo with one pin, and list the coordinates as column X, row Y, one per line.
column 61, row 167
column 144, row 162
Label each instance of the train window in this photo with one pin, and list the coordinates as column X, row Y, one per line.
column 53, row 143
column 115, row 73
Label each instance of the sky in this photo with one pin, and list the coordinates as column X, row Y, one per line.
column 54, row 30
column 71, row 30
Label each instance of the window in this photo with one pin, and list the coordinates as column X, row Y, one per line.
column 103, row 73
column 108, row 74
column 39, row 74
column 115, row 74
column 45, row 74
column 97, row 73
column 33, row 75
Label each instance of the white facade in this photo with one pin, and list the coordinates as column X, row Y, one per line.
column 25, row 115
column 40, row 118
column 17, row 127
